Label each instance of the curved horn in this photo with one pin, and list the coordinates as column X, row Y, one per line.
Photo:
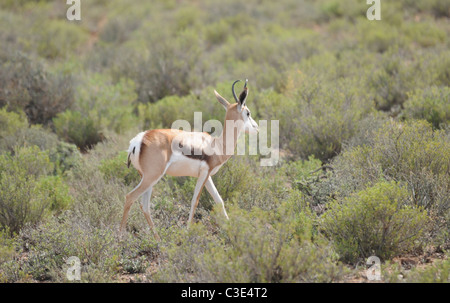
column 234, row 93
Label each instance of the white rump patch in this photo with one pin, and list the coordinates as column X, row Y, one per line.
column 135, row 148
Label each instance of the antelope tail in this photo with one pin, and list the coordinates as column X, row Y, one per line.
column 134, row 150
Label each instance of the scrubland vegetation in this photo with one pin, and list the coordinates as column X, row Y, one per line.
column 364, row 115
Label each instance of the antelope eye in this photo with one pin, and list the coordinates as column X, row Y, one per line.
column 248, row 114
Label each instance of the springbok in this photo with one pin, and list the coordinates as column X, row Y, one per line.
column 179, row 153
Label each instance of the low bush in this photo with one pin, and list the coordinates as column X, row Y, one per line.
column 57, row 192
column 425, row 34
column 76, row 128
column 57, row 38
column 171, row 65
column 325, row 115
column 436, row 272
column 27, row 195
column 16, row 133
column 307, row 177
column 431, row 104
column 439, row 8
column 101, row 107
column 376, row 221
column 242, row 181
column 101, row 252
column 410, row 152
column 10, row 122
column 116, row 168
column 163, row 113
column 391, row 82
column 349, row 9
column 379, row 37
column 28, row 136
column 65, row 156
column 30, row 87
column 110, row 104
column 7, row 247
column 253, row 246
column 97, row 200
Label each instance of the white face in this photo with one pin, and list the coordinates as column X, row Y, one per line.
column 250, row 125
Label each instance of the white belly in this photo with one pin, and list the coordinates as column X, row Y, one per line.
column 183, row 166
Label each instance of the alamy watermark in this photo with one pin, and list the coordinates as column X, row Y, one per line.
column 374, row 12
column 373, row 273
column 223, row 140
column 74, row 11
column 74, row 271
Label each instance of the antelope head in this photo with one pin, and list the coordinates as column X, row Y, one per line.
column 239, row 110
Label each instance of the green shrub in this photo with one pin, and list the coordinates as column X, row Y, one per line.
column 441, row 8
column 119, row 29
column 166, row 111
column 391, row 82
column 436, row 272
column 7, row 247
column 187, row 17
column 376, row 221
column 21, row 201
column 253, row 246
column 29, row 86
column 99, row 249
column 217, row 33
column 439, row 272
column 57, row 192
column 325, row 115
column 116, row 168
column 431, row 104
column 100, row 200
column 273, row 106
column 28, row 192
column 307, row 177
column 109, row 104
column 425, row 34
column 10, row 122
column 242, row 181
column 379, row 36
column 170, row 64
column 411, row 152
column 350, row 9
column 29, row 136
column 57, row 38
column 65, row 156
column 301, row 170
column 101, row 107
column 76, row 128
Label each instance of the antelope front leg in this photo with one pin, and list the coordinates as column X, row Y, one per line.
column 203, row 176
column 215, row 194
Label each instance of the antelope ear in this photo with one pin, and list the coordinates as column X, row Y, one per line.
column 243, row 96
column 222, row 100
